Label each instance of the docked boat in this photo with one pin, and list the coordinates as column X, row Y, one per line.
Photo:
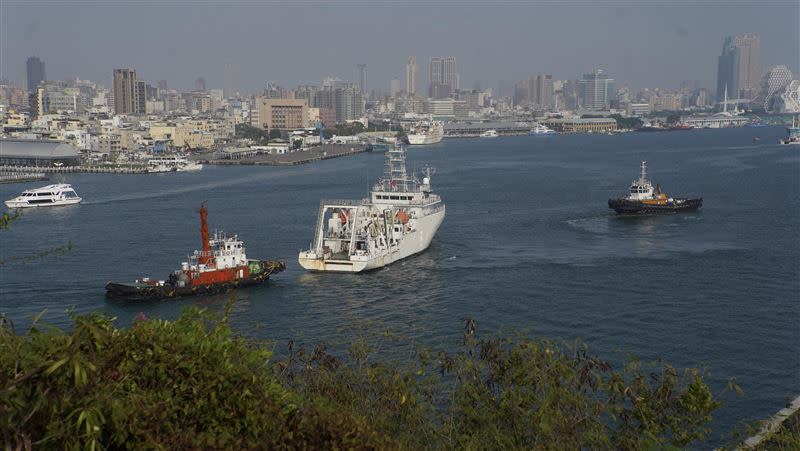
column 541, row 130
column 220, row 266
column 46, row 196
column 426, row 132
column 399, row 219
column 172, row 164
column 489, row 134
column 794, row 134
column 643, row 198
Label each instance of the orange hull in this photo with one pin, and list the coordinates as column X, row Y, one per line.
column 220, row 276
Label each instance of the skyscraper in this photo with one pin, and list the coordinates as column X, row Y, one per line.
column 411, row 76
column 738, row 67
column 126, row 92
column 394, row 87
column 361, row 78
column 597, row 91
column 540, row 91
column 200, row 84
column 35, row 71
column 443, row 77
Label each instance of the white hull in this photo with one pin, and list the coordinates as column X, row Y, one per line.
column 424, row 139
column 412, row 243
column 58, row 203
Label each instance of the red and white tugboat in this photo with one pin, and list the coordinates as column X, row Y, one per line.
column 221, row 266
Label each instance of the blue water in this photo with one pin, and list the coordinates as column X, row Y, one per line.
column 528, row 243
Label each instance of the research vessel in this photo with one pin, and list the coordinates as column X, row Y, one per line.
column 220, row 266
column 46, row 196
column 399, row 219
column 643, row 198
column 426, row 132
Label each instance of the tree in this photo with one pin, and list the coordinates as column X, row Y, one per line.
column 257, row 135
column 275, row 134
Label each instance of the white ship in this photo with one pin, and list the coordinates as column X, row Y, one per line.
column 541, row 130
column 489, row 134
column 172, row 164
column 46, row 196
column 426, row 132
column 398, row 220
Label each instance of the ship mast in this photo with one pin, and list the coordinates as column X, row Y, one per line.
column 643, row 177
column 205, row 256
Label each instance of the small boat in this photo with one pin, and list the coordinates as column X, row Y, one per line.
column 221, row 266
column 794, row 134
column 642, row 198
column 489, row 134
column 172, row 164
column 46, row 196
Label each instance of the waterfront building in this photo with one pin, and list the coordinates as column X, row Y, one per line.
column 281, row 114
column 638, row 109
column 738, row 67
column 446, row 108
column 597, row 90
column 411, row 76
column 35, row 72
column 21, row 152
column 790, row 99
column 127, row 91
column 582, row 125
column 773, row 85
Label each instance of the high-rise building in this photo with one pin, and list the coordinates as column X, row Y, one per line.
column 411, row 76
column 394, row 87
column 200, row 84
column 597, row 90
column 443, row 77
column 35, row 71
column 126, row 92
column 361, row 78
column 738, row 67
column 540, row 91
column 348, row 102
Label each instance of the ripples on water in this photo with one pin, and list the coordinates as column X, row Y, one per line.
column 528, row 243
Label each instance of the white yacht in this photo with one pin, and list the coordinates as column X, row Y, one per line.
column 541, row 130
column 489, row 134
column 46, row 196
column 172, row 164
column 426, row 132
column 398, row 220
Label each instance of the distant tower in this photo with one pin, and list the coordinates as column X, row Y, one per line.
column 361, row 77
column 738, row 66
column 443, row 77
column 200, row 84
column 35, row 72
column 127, row 91
column 230, row 81
column 411, row 76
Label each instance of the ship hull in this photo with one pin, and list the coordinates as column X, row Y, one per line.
column 633, row 207
column 146, row 292
column 418, row 140
column 413, row 243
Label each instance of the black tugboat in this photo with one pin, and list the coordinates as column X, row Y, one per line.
column 222, row 265
column 644, row 199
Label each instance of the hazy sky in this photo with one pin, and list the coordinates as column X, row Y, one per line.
column 640, row 43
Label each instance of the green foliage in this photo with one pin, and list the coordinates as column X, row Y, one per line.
column 192, row 383
column 257, row 135
column 275, row 134
column 630, row 123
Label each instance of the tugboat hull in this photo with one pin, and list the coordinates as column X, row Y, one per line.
column 152, row 292
column 634, row 207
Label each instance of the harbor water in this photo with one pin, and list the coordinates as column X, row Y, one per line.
column 528, row 244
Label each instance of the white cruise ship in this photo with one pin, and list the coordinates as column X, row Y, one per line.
column 46, row 196
column 398, row 220
column 541, row 130
column 426, row 132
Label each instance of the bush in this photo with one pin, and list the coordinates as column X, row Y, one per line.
column 192, row 383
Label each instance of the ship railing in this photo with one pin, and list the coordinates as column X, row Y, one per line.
column 343, row 202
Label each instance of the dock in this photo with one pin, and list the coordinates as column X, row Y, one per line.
column 86, row 169
column 22, row 177
column 297, row 157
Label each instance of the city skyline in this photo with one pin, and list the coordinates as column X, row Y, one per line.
column 692, row 37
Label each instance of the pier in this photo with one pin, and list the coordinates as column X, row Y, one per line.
column 88, row 169
column 23, row 177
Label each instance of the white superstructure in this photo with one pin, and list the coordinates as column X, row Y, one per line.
column 489, row 134
column 541, row 130
column 172, row 163
column 46, row 196
column 426, row 132
column 399, row 219
column 641, row 189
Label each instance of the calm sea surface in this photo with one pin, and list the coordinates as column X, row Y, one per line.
column 528, row 243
